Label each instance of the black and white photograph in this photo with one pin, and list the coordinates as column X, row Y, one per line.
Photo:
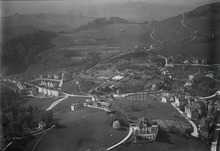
column 110, row 75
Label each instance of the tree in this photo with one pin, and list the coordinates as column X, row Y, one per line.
column 15, row 128
column 30, row 108
column 46, row 116
column 5, row 120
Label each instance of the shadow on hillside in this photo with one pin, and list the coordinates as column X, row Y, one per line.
column 59, row 125
column 123, row 129
column 163, row 137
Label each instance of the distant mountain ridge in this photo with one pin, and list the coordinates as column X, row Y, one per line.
column 20, row 24
column 195, row 33
column 213, row 8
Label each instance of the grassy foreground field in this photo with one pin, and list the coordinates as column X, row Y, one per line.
column 153, row 109
column 40, row 103
column 24, row 144
column 150, row 108
column 80, row 130
column 65, row 105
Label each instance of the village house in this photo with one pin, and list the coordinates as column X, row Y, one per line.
column 76, row 106
column 41, row 125
column 180, row 102
column 195, row 60
column 204, row 61
column 117, row 78
column 191, row 77
column 186, row 61
column 195, row 109
column 210, row 74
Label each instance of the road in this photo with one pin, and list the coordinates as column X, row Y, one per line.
column 131, row 130
column 152, row 37
column 195, row 129
column 12, row 88
column 184, row 25
column 57, row 102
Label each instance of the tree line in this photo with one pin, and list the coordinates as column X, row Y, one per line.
column 21, row 120
column 100, row 22
column 20, row 52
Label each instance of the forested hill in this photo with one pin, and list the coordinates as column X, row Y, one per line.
column 100, row 22
column 19, row 53
column 22, row 24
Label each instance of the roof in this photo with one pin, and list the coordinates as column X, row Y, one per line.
column 37, row 83
column 118, row 77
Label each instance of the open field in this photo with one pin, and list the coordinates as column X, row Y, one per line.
column 65, row 105
column 150, row 108
column 207, row 50
column 81, row 130
column 207, row 25
column 123, row 35
column 170, row 30
column 153, row 109
column 70, row 87
column 182, row 73
column 40, row 103
column 24, row 144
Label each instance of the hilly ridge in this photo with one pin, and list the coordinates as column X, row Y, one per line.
column 183, row 34
column 196, row 33
column 20, row 24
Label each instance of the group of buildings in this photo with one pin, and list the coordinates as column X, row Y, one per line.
column 201, row 111
column 181, row 59
column 145, row 130
column 93, row 104
column 47, row 86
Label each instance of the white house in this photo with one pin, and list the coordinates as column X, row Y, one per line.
column 163, row 100
column 177, row 102
column 118, row 77
column 191, row 77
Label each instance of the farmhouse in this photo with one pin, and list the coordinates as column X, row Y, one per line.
column 195, row 60
column 41, row 125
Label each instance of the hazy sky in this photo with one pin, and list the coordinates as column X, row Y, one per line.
column 51, row 6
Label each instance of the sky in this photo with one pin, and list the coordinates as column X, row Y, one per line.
column 50, row 6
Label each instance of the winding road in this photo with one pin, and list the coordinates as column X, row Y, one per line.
column 152, row 37
column 184, row 25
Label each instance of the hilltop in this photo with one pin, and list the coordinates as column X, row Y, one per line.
column 20, row 24
column 194, row 33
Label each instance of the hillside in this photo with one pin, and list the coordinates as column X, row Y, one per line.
column 170, row 29
column 206, row 19
column 20, row 24
column 196, row 33
column 13, row 32
column 18, row 53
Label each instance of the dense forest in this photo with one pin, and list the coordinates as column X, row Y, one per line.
column 19, row 52
column 9, row 98
column 21, row 120
column 203, row 86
